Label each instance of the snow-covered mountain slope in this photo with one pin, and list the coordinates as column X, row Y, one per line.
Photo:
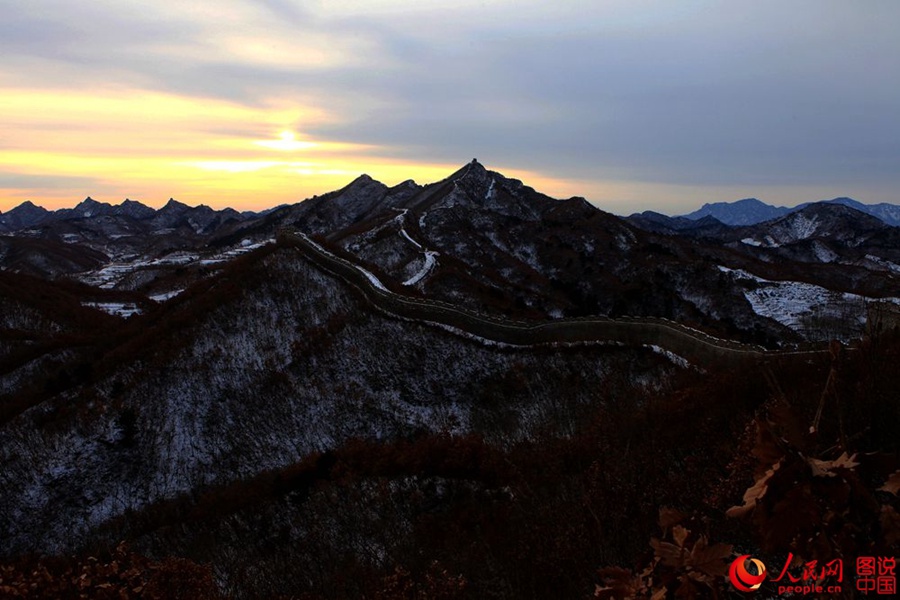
column 822, row 221
column 275, row 360
column 492, row 244
column 823, row 234
column 500, row 247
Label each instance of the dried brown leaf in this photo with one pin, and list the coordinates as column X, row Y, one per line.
column 670, row 554
column 669, row 517
column 680, row 534
column 828, row 468
column 846, row 462
column 754, row 493
column 712, row 560
column 821, row 468
column 892, row 484
column 617, row 583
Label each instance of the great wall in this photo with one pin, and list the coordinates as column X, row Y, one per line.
column 693, row 345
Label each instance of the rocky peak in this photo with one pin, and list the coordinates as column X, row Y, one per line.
column 24, row 215
column 174, row 205
column 470, row 171
column 135, row 209
column 90, row 208
column 29, row 206
column 361, row 187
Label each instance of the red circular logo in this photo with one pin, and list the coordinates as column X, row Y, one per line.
column 741, row 578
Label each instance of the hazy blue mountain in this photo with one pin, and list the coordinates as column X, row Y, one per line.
column 889, row 213
column 742, row 212
column 751, row 211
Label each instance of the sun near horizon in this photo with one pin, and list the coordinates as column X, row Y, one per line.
column 154, row 147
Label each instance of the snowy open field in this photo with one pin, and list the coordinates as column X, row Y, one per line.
column 795, row 303
column 112, row 274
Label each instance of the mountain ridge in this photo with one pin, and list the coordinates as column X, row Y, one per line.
column 491, row 244
column 751, row 211
column 747, row 211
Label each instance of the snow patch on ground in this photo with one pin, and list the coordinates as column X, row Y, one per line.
column 401, row 216
column 890, row 266
column 430, row 261
column 162, row 297
column 527, row 253
column 491, row 192
column 802, row 226
column 751, row 242
column 790, row 302
column 824, row 253
column 677, row 360
column 110, row 275
column 495, row 239
column 703, row 302
column 119, row 309
column 371, row 277
column 411, row 241
column 625, row 239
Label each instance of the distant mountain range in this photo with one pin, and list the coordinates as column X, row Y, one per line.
column 28, row 214
column 748, row 211
column 751, row 211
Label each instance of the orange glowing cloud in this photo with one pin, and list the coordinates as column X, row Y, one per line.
column 151, row 146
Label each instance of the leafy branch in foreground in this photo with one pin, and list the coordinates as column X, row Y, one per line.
column 824, row 487
column 683, row 562
column 122, row 575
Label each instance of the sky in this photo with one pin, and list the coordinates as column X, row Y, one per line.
column 632, row 104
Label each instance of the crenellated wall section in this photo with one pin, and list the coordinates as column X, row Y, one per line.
column 695, row 346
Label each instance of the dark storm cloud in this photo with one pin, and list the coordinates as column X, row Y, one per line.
column 700, row 105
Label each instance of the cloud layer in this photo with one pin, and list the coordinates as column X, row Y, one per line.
column 633, row 104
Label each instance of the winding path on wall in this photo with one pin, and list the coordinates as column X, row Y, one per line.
column 695, row 346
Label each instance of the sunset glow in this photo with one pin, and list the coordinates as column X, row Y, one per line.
column 201, row 152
